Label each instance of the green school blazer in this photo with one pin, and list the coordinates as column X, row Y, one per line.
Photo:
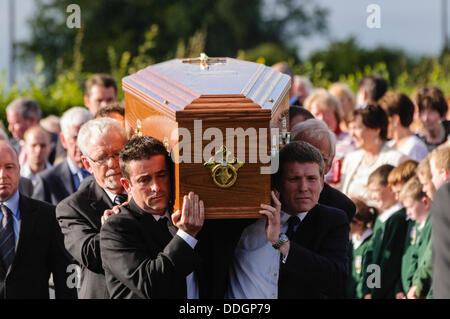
column 386, row 250
column 409, row 258
column 357, row 269
column 422, row 275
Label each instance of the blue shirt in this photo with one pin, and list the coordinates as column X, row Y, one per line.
column 255, row 268
column 78, row 174
column 13, row 205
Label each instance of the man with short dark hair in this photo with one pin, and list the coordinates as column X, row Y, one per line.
column 148, row 252
column 114, row 110
column 100, row 90
column 316, row 133
column 300, row 250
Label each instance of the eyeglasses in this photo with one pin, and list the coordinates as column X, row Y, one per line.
column 104, row 159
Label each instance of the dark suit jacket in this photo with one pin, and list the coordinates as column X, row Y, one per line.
column 79, row 216
column 39, row 252
column 332, row 197
column 440, row 213
column 54, row 184
column 140, row 260
column 25, row 186
column 317, row 263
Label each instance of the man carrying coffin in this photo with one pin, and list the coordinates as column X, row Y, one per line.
column 146, row 251
column 300, row 251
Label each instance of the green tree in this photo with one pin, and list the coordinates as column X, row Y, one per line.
column 226, row 25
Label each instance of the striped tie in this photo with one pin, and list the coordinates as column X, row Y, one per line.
column 7, row 244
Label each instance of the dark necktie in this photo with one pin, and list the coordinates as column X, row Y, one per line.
column 7, row 244
column 120, row 199
column 164, row 226
column 292, row 222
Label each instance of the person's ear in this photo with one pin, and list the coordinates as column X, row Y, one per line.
column 63, row 140
column 427, row 202
column 126, row 184
column 396, row 120
column 87, row 165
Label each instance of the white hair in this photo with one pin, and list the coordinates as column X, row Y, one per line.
column 25, row 107
column 74, row 116
column 314, row 129
column 95, row 129
column 306, row 83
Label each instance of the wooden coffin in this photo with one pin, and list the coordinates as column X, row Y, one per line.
column 205, row 97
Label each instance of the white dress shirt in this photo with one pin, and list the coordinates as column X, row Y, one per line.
column 255, row 268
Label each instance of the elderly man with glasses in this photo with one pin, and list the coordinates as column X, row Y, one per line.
column 81, row 214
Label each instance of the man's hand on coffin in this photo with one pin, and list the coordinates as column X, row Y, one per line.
column 192, row 215
column 273, row 218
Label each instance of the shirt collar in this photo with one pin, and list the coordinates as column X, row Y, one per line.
column 13, row 204
column 389, row 212
column 74, row 169
column 285, row 216
column 111, row 195
column 357, row 242
column 158, row 217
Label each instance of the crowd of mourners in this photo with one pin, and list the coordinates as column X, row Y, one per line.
column 382, row 154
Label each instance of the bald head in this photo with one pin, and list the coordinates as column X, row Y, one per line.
column 9, row 171
column 37, row 147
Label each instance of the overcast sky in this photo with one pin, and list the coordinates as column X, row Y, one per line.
column 413, row 25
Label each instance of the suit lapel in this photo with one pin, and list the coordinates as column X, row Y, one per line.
column 66, row 177
column 150, row 226
column 304, row 234
column 26, row 228
column 99, row 201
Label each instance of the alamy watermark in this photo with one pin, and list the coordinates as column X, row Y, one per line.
column 374, row 19
column 74, row 19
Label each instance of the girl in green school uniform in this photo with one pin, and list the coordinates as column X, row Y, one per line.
column 360, row 231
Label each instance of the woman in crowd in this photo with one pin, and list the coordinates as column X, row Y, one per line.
column 432, row 111
column 369, row 131
column 400, row 111
column 327, row 108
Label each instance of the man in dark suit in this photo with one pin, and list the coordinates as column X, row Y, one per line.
column 80, row 214
column 146, row 251
column 441, row 242
column 31, row 243
column 440, row 171
column 300, row 251
column 62, row 180
column 316, row 133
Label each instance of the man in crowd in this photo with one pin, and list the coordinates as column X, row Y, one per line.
column 114, row 110
column 310, row 239
column 31, row 243
column 62, row 180
column 100, row 90
column 316, row 133
column 148, row 252
column 284, row 68
column 37, row 148
column 80, row 214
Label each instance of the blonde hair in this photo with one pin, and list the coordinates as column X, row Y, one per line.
column 325, row 101
column 424, row 169
column 342, row 90
column 412, row 189
column 441, row 157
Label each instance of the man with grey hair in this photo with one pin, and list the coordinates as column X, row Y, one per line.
column 21, row 114
column 317, row 133
column 60, row 181
column 80, row 215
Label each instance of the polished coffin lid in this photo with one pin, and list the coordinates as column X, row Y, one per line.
column 173, row 85
column 226, row 93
